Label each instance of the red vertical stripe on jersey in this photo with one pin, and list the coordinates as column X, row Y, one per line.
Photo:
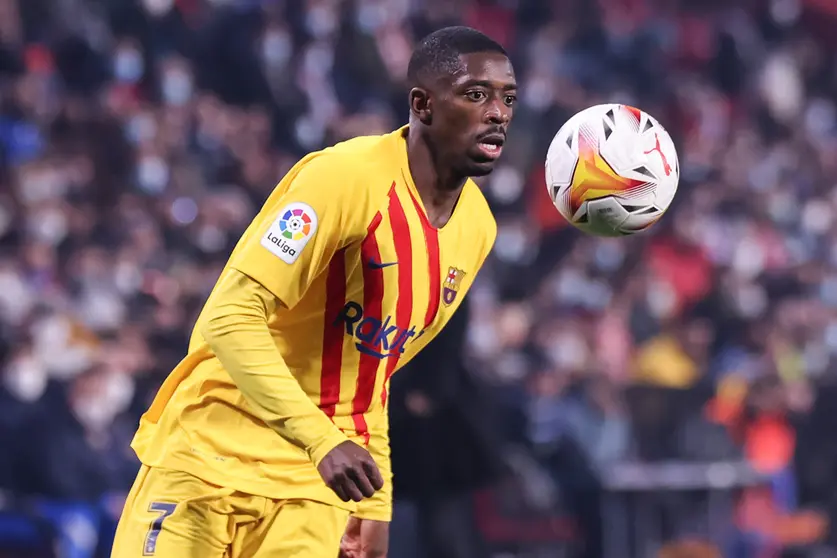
column 431, row 239
column 332, row 356
column 404, row 253
column 431, row 235
column 373, row 302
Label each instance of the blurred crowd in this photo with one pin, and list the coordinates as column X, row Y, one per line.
column 138, row 138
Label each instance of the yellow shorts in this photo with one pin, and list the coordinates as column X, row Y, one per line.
column 171, row 514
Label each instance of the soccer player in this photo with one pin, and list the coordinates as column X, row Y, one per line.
column 270, row 437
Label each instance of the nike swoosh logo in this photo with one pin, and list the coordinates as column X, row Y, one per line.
column 380, row 265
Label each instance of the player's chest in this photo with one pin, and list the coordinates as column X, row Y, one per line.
column 404, row 282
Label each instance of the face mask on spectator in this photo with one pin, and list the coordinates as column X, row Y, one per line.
column 276, row 48
column 568, row 351
column 152, row 174
column 41, row 185
column 177, row 87
column 211, row 239
column 128, row 66
column 828, row 290
column 321, row 21
column 370, row 17
column 506, row 184
column 609, row 256
column 661, row 299
column 25, row 379
column 141, row 128
column 831, row 337
column 49, row 226
column 539, row 93
column 158, row 7
column 93, row 415
column 511, row 244
column 119, row 390
column 16, row 297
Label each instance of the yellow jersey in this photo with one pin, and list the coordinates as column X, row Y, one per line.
column 362, row 281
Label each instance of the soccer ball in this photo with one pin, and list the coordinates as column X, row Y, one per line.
column 612, row 170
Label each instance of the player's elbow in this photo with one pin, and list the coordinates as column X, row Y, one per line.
column 224, row 323
column 212, row 327
column 233, row 310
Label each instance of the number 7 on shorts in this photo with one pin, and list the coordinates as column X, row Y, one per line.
column 164, row 509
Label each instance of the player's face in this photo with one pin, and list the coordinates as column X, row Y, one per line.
column 473, row 112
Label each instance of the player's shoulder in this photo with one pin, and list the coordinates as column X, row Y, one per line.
column 478, row 212
column 356, row 163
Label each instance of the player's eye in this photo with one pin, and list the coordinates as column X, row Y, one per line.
column 475, row 95
column 510, row 99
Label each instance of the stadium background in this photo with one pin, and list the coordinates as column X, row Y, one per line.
column 671, row 393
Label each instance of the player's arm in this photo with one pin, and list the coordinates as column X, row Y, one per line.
column 367, row 534
column 379, row 506
column 269, row 270
column 237, row 332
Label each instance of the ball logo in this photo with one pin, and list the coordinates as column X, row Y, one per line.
column 291, row 231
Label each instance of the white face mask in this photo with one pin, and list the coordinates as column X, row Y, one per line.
column 103, row 309
column 609, row 255
column 506, row 184
column 128, row 65
column 158, row 7
column 370, row 16
column 511, row 244
column 16, row 298
column 661, row 300
column 93, row 415
column 177, row 88
column 483, row 338
column 276, row 48
column 49, row 226
column 539, row 93
column 830, row 338
column 25, row 379
column 141, row 128
column 568, row 351
column 211, row 239
column 42, row 185
column 119, row 390
column 321, row 21
column 153, row 174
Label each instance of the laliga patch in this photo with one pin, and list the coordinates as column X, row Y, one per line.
column 291, row 231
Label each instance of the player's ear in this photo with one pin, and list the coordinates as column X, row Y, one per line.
column 420, row 105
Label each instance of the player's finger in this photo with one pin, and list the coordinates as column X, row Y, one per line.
column 374, row 474
column 337, row 486
column 350, row 486
column 362, row 481
column 353, row 491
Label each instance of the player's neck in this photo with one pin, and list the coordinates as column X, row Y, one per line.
column 437, row 185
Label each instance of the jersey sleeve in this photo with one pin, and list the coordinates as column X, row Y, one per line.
column 379, row 506
column 235, row 327
column 306, row 220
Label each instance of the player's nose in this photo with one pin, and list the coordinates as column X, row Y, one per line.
column 497, row 113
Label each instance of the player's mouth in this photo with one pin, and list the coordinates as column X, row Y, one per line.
column 491, row 145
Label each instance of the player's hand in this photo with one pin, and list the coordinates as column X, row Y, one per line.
column 365, row 538
column 350, row 472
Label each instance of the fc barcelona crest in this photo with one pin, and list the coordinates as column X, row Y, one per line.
column 451, row 285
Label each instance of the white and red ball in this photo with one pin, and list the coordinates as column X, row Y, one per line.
column 612, row 170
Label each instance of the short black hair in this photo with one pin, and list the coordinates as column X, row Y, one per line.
column 438, row 53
